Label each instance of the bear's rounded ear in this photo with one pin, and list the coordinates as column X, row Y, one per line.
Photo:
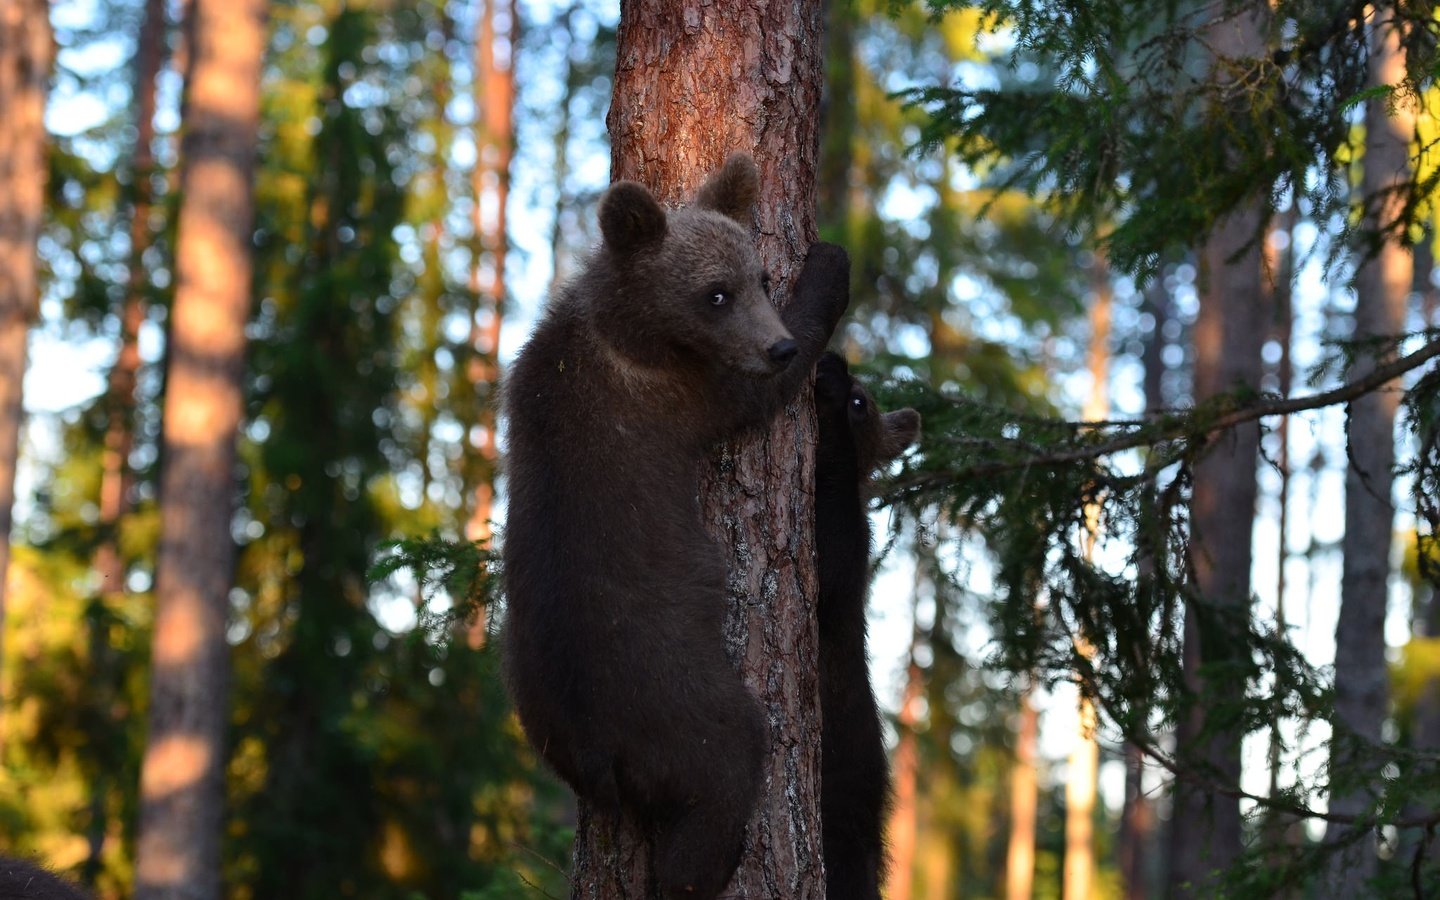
column 901, row 429
column 630, row 218
column 732, row 191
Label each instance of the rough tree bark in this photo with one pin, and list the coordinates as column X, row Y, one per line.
column 693, row 83
column 26, row 52
column 1382, row 288
column 182, row 777
column 1233, row 321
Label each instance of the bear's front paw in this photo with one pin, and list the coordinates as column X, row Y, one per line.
column 825, row 280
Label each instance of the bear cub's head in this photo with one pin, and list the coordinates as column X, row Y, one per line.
column 854, row 434
column 690, row 284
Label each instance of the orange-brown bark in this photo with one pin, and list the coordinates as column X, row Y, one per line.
column 182, row 777
column 693, row 83
column 490, row 183
column 26, row 52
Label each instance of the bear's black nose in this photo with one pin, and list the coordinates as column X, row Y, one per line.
column 781, row 352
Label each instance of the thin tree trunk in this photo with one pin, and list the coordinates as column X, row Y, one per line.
column 1024, row 796
column 495, row 144
column 1137, row 820
column 838, row 119
column 905, row 763
column 693, row 84
column 1080, row 786
column 1230, row 329
column 116, row 478
column 562, row 146
column 1279, row 828
column 26, row 53
column 182, row 777
column 1382, row 290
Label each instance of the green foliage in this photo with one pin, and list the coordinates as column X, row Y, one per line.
column 1138, row 126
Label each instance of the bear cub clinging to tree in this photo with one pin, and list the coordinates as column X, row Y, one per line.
column 614, row 653
column 855, row 440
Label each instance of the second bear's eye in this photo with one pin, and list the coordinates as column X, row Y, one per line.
column 857, row 403
column 719, row 298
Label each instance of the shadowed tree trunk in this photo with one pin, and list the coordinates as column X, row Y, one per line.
column 694, row 83
column 26, row 52
column 116, row 477
column 1232, row 324
column 182, row 780
column 1382, row 288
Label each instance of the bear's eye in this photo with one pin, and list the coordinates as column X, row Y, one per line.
column 719, row 298
column 857, row 403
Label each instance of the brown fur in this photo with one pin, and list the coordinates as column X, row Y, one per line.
column 25, row 880
column 855, row 440
column 613, row 643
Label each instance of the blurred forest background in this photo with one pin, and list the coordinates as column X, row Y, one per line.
column 1080, row 703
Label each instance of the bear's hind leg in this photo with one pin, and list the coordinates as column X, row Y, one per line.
column 697, row 850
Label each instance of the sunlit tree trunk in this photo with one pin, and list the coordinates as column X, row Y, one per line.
column 26, row 52
column 495, row 54
column 182, row 779
column 694, row 83
column 1382, row 289
column 1024, row 800
column 1231, row 327
column 1083, row 771
column 900, row 834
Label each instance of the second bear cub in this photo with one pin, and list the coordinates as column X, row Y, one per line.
column 855, row 440
column 614, row 649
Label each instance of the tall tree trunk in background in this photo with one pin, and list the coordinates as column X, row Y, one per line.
column 1024, row 801
column 26, row 53
column 692, row 84
column 900, row 833
column 1279, row 828
column 494, row 146
column 1137, row 819
column 838, row 125
column 182, row 778
column 1084, row 768
column 1229, row 332
column 1382, row 289
column 116, row 477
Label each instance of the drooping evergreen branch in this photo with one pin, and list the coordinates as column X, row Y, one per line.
column 1173, row 427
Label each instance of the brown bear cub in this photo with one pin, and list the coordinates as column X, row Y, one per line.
column 24, row 880
column 614, row 652
column 855, row 440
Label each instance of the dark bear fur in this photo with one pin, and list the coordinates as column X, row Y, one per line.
column 24, row 880
column 855, row 440
column 614, row 652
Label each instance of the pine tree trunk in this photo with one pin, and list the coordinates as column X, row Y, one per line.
column 694, row 83
column 26, row 53
column 1024, row 797
column 1229, row 333
column 182, row 779
column 1382, row 289
column 1083, row 771
column 901, row 835
column 495, row 143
